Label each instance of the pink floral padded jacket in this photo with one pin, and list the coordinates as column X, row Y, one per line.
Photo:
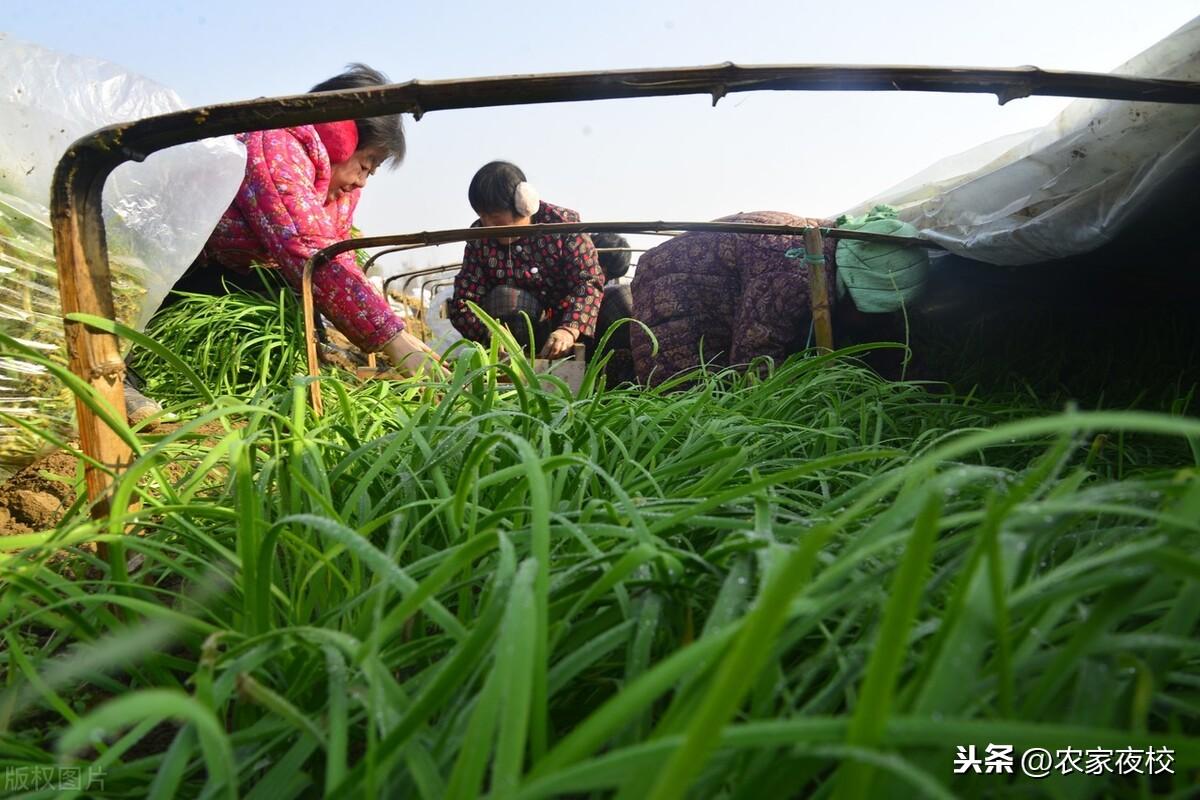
column 279, row 218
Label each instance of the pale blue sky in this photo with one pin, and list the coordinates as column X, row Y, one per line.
column 665, row 158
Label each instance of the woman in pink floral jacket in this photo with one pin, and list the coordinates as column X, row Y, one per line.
column 301, row 187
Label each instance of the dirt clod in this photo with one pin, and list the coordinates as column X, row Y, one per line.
column 39, row 509
column 35, row 498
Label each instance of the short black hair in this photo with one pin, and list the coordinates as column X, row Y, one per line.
column 385, row 133
column 615, row 263
column 494, row 187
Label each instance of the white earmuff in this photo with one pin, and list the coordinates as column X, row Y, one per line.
column 525, row 199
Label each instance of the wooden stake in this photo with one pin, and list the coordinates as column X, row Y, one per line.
column 310, row 337
column 85, row 286
column 818, row 289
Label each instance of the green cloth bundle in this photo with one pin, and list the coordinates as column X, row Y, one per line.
column 881, row 278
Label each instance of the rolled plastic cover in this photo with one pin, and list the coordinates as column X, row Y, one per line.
column 1064, row 189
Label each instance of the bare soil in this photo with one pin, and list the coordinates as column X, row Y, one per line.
column 37, row 497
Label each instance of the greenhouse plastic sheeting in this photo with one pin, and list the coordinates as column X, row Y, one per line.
column 158, row 215
column 1067, row 188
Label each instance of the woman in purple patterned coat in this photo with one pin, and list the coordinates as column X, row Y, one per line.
column 722, row 299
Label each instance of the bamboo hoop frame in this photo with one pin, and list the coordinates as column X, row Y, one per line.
column 433, row 286
column 81, row 250
column 408, row 277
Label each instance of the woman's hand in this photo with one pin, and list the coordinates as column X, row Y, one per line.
column 559, row 344
column 413, row 357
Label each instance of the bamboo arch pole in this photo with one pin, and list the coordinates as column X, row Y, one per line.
column 819, row 294
column 75, row 204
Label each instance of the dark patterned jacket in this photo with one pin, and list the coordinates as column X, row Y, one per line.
column 563, row 272
column 722, row 298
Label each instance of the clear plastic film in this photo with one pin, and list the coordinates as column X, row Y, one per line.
column 158, row 215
